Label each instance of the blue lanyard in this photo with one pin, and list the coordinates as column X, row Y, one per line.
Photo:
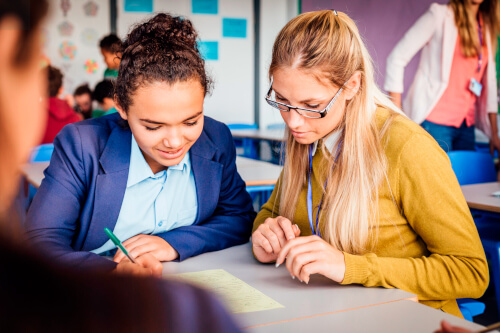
column 480, row 51
column 309, row 192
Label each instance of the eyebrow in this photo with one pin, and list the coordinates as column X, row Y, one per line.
column 160, row 123
column 309, row 100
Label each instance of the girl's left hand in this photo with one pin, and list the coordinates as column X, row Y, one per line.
column 142, row 244
column 312, row 255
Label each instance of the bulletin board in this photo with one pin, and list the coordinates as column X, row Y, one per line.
column 226, row 35
column 70, row 40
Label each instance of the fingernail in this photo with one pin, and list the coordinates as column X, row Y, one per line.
column 277, row 265
column 300, row 280
column 293, row 277
column 297, row 226
column 307, row 282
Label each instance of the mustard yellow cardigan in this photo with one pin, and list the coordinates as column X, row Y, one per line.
column 430, row 245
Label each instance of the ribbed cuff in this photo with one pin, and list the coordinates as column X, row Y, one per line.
column 356, row 269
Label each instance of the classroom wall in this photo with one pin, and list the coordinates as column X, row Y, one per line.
column 232, row 100
column 71, row 35
column 273, row 16
column 382, row 24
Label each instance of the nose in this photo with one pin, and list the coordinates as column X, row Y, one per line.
column 293, row 119
column 173, row 139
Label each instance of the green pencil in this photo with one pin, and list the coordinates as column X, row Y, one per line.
column 118, row 243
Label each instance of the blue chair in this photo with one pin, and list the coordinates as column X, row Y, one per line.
column 263, row 191
column 485, row 148
column 276, row 126
column 41, row 153
column 473, row 167
column 245, row 146
column 470, row 308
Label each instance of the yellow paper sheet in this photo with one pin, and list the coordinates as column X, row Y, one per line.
column 238, row 296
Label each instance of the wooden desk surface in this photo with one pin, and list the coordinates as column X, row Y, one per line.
column 478, row 196
column 393, row 317
column 253, row 172
column 271, row 135
column 320, row 296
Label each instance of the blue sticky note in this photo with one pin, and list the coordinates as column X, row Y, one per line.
column 205, row 6
column 209, row 50
column 233, row 27
column 143, row 6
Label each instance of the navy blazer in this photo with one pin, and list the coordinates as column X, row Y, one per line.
column 85, row 183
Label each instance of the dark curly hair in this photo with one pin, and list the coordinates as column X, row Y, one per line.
column 111, row 43
column 162, row 49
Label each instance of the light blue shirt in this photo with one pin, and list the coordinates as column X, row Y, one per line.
column 155, row 203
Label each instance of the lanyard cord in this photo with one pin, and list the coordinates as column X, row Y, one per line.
column 309, row 191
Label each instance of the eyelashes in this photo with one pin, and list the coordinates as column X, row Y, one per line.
column 158, row 127
column 283, row 100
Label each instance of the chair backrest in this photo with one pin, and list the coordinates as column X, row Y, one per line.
column 42, row 153
column 472, row 167
column 242, row 126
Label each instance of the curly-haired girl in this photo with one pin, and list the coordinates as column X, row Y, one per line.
column 159, row 173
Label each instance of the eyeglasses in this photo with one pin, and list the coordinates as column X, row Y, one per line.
column 308, row 113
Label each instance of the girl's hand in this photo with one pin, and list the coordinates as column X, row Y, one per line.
column 447, row 328
column 271, row 236
column 147, row 265
column 139, row 245
column 312, row 255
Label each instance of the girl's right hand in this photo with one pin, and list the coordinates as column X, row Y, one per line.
column 271, row 236
column 147, row 265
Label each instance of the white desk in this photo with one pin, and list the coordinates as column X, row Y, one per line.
column 271, row 135
column 478, row 196
column 321, row 296
column 34, row 172
column 401, row 316
column 256, row 172
column 253, row 172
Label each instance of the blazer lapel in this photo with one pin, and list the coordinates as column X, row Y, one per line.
column 110, row 187
column 450, row 34
column 207, row 176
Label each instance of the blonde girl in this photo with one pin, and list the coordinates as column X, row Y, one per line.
column 371, row 194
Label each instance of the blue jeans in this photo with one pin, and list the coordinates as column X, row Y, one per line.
column 452, row 138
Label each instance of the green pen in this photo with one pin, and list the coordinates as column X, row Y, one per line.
column 118, row 243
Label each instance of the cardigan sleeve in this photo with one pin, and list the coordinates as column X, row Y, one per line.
column 432, row 203
column 271, row 207
column 412, row 42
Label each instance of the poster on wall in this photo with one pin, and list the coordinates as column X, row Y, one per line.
column 90, row 8
column 142, row 6
column 205, row 7
column 234, row 27
column 71, row 37
column 209, row 50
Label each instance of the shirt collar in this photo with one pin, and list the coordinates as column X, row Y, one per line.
column 329, row 141
column 140, row 170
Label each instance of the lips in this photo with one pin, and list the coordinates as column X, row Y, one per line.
column 171, row 154
column 299, row 134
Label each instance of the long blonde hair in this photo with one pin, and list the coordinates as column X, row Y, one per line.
column 467, row 25
column 330, row 46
